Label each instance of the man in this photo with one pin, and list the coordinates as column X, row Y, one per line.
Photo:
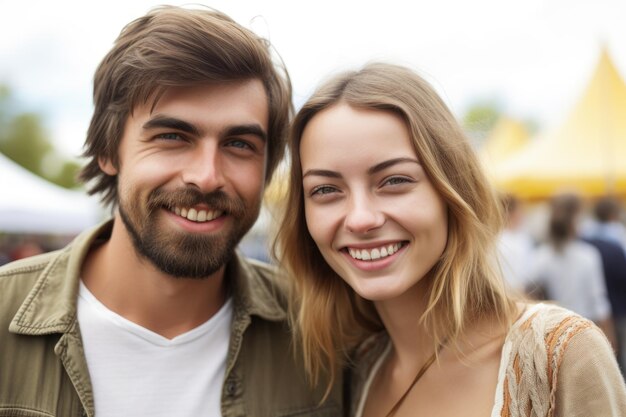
column 153, row 313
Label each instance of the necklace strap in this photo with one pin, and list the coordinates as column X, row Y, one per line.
column 418, row 376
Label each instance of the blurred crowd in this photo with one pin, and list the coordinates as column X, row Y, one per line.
column 18, row 246
column 577, row 259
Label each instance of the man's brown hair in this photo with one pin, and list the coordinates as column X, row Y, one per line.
column 170, row 47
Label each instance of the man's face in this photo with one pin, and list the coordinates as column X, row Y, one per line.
column 191, row 174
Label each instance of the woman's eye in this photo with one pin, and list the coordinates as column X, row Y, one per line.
column 396, row 181
column 323, row 190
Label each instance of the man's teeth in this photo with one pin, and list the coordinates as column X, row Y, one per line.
column 374, row 254
column 197, row 215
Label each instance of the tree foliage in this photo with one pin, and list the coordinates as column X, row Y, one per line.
column 480, row 118
column 24, row 139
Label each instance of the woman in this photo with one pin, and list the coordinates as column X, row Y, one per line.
column 389, row 240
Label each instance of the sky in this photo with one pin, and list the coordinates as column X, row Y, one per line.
column 532, row 57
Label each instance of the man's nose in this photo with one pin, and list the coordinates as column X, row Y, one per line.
column 363, row 215
column 203, row 168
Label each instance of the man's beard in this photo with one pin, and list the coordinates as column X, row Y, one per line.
column 185, row 254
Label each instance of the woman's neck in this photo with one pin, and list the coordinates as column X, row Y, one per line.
column 411, row 340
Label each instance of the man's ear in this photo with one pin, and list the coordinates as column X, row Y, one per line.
column 107, row 166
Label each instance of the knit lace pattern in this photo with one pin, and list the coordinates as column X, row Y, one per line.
column 531, row 357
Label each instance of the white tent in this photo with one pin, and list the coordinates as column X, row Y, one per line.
column 30, row 204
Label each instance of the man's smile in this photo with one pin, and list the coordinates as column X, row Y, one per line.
column 197, row 215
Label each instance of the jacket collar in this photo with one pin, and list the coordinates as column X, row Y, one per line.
column 255, row 289
column 50, row 306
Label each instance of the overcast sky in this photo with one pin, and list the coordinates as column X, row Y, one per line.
column 532, row 56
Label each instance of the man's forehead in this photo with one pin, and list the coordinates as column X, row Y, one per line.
column 152, row 97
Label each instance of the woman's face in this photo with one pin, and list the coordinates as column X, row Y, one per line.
column 369, row 205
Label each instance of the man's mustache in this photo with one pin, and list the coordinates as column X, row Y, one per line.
column 189, row 197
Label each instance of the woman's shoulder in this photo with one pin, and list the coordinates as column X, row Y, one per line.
column 589, row 379
column 548, row 314
column 547, row 325
column 558, row 360
column 538, row 354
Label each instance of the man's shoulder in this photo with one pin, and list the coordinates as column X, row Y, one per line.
column 262, row 288
column 18, row 278
column 264, row 268
column 266, row 275
column 26, row 267
column 56, row 260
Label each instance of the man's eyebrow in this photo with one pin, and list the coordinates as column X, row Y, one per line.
column 322, row 173
column 160, row 122
column 246, row 129
column 386, row 164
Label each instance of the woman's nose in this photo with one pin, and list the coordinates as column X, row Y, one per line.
column 363, row 215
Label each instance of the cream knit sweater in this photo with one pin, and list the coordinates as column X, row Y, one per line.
column 554, row 364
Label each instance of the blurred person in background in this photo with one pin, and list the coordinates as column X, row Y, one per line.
column 515, row 245
column 607, row 223
column 4, row 253
column 614, row 268
column 606, row 234
column 569, row 270
column 153, row 313
column 26, row 249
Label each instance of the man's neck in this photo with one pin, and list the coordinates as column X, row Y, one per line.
column 131, row 286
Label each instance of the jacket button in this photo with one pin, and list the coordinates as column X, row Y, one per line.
column 231, row 388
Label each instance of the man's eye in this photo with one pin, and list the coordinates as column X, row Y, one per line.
column 169, row 136
column 241, row 144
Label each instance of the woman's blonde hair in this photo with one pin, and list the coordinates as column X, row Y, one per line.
column 329, row 317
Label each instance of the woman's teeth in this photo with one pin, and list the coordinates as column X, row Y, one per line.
column 376, row 253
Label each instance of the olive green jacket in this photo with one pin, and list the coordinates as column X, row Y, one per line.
column 43, row 371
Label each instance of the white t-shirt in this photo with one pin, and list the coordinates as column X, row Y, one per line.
column 516, row 251
column 136, row 372
column 573, row 278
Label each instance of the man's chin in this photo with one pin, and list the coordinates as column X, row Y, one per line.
column 190, row 256
column 187, row 270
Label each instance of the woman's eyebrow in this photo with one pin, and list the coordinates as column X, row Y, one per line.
column 322, row 173
column 376, row 168
column 386, row 164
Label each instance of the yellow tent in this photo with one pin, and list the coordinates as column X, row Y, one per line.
column 587, row 154
column 276, row 191
column 507, row 137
